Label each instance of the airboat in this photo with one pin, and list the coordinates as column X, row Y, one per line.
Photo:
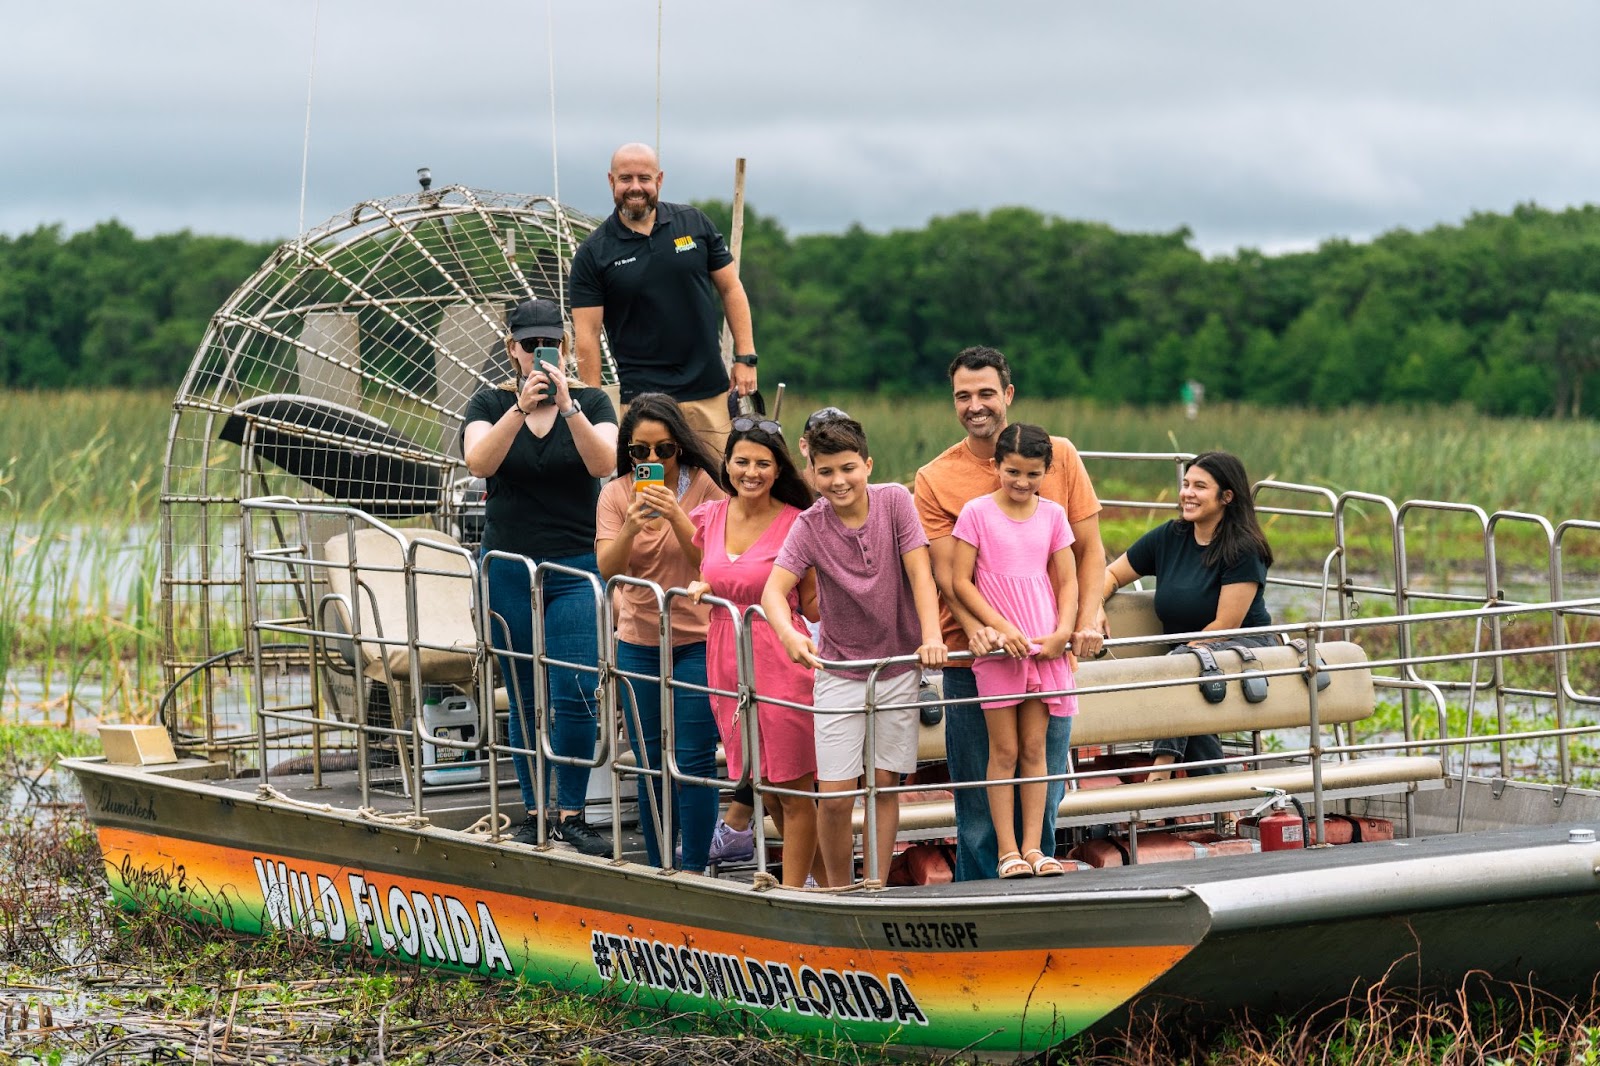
column 331, row 760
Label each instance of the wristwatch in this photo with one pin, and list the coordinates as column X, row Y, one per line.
column 569, row 412
column 747, row 360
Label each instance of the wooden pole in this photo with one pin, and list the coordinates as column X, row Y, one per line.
column 736, row 246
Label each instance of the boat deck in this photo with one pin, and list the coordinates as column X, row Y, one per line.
column 459, row 807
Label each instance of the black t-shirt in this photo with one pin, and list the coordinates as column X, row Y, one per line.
column 661, row 314
column 542, row 500
column 1187, row 590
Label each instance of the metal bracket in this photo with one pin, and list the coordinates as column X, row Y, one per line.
column 1498, row 787
column 1558, row 793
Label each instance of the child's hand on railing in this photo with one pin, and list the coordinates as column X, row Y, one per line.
column 1053, row 646
column 801, row 649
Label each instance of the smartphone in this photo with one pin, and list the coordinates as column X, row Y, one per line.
column 543, row 357
column 649, row 474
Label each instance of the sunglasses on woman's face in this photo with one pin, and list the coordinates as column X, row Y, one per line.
column 662, row 450
column 744, row 424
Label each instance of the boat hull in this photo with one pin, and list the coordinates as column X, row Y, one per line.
column 1004, row 973
column 996, row 967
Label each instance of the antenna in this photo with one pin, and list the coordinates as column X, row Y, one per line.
column 555, row 158
column 660, row 7
column 305, row 147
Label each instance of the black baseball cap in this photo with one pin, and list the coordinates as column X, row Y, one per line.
column 536, row 318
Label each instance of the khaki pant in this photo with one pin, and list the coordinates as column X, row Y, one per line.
column 707, row 417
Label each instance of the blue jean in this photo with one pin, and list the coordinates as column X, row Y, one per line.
column 966, row 748
column 570, row 625
column 695, row 745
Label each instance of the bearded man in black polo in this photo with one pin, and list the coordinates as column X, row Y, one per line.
column 647, row 273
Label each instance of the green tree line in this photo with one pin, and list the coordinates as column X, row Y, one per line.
column 1501, row 312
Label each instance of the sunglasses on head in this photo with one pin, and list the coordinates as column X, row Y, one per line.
column 663, row 450
column 744, row 424
column 826, row 414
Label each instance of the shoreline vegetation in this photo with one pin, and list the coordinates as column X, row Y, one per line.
column 1499, row 312
column 82, row 981
column 80, row 477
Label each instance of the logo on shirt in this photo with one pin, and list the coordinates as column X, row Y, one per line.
column 684, row 244
column 625, row 262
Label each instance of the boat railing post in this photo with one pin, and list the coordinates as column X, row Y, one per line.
column 488, row 618
column 1313, row 663
column 669, row 732
column 482, row 620
column 749, row 719
column 606, row 690
column 652, row 797
column 539, row 739
column 869, row 819
column 547, row 760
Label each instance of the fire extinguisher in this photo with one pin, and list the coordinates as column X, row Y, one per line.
column 1280, row 830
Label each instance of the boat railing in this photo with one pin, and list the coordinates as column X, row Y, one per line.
column 1448, row 669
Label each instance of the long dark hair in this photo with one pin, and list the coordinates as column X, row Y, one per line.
column 789, row 487
column 659, row 407
column 1238, row 533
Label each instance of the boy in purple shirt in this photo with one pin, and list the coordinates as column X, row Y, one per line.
column 877, row 599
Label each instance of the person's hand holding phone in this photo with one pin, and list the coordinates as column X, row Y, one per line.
column 548, row 362
column 649, row 495
column 535, row 390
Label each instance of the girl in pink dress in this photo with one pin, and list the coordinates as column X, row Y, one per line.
column 739, row 539
column 1015, row 572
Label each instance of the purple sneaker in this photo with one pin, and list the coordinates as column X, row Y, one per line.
column 731, row 845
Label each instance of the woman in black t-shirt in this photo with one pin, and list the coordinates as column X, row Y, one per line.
column 544, row 442
column 1210, row 566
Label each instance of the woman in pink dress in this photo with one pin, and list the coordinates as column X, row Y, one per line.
column 739, row 538
column 1015, row 572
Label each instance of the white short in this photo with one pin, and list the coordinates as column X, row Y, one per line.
column 842, row 738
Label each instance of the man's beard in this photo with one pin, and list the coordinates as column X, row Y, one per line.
column 636, row 210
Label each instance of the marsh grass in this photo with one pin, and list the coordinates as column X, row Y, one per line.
column 79, row 479
column 1432, row 453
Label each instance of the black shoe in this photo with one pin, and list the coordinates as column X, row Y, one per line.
column 580, row 834
column 527, row 833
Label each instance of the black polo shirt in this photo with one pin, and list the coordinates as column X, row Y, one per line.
column 661, row 313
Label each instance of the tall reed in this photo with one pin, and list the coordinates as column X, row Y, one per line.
column 79, row 477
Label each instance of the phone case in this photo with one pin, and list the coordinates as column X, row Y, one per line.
column 648, row 474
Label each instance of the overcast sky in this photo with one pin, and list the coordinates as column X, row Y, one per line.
column 1265, row 124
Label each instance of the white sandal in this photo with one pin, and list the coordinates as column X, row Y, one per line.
column 1013, row 865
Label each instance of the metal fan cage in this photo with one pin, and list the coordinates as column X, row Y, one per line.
column 354, row 348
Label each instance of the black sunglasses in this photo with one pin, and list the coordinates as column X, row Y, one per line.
column 533, row 344
column 744, row 424
column 664, row 450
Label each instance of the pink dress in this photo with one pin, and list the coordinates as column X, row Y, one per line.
column 1013, row 577
column 788, row 744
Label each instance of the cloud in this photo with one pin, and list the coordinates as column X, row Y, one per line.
column 1250, row 122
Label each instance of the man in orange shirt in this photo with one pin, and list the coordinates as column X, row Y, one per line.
column 980, row 382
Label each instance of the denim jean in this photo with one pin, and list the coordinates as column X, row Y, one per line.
column 570, row 624
column 1206, row 746
column 695, row 736
column 966, row 746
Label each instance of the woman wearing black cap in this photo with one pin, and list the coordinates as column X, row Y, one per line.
column 543, row 442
